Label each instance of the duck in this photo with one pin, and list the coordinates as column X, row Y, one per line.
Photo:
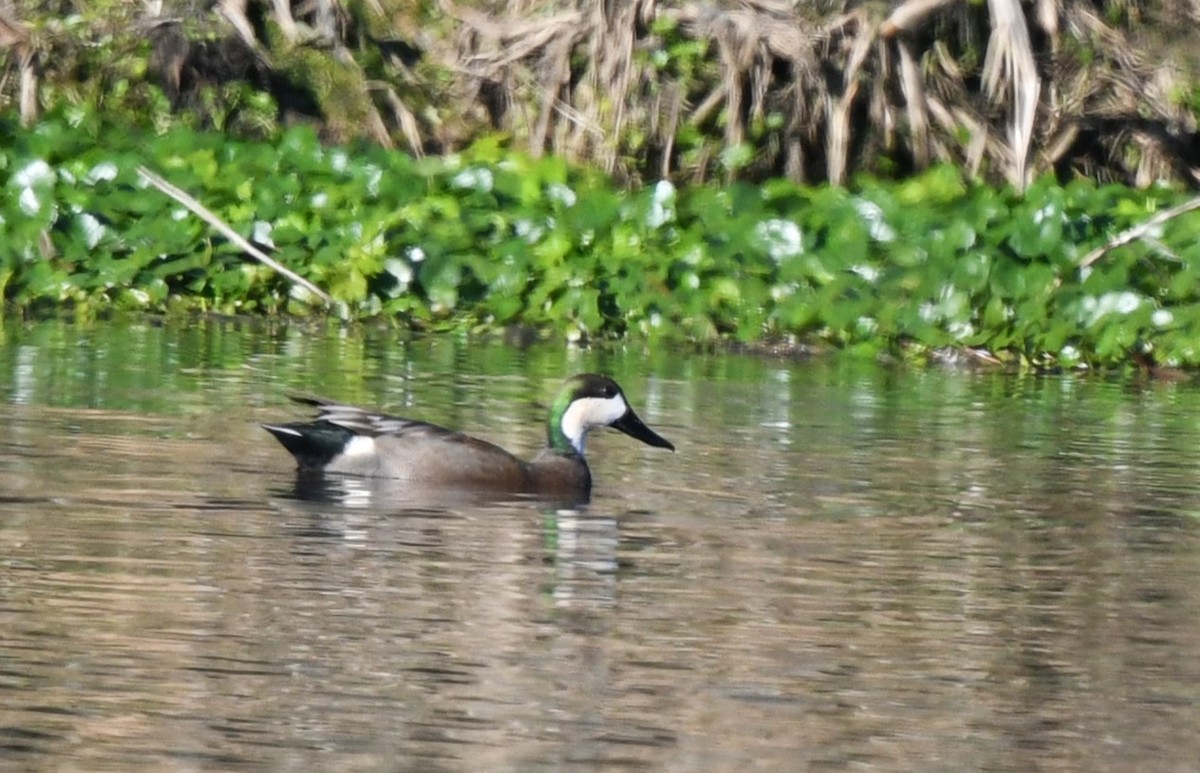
column 348, row 440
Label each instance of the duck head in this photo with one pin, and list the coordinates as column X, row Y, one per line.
column 588, row 401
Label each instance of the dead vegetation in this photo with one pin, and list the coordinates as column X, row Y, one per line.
column 1006, row 91
column 694, row 90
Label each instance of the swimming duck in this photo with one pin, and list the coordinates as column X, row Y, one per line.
column 354, row 441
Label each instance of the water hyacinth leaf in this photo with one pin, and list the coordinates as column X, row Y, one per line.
column 440, row 280
column 581, row 304
column 165, row 268
column 724, row 290
column 846, row 242
column 940, row 185
column 972, row 271
column 797, row 313
column 328, row 254
column 1041, row 280
column 594, row 215
column 1116, row 339
column 841, row 303
column 1059, row 337
column 552, row 249
column 1185, row 283
column 907, row 255
column 1008, row 280
column 348, row 285
column 1037, row 228
column 504, row 308
column 515, row 186
column 300, row 145
column 784, row 195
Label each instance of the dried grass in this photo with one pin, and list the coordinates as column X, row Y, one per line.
column 818, row 91
column 848, row 85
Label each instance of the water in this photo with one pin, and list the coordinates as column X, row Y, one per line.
column 843, row 567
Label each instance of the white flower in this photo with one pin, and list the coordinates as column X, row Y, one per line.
column 1126, row 302
column 950, row 305
column 261, row 233
column 960, row 329
column 1120, row 303
column 1042, row 214
column 374, row 175
column 36, row 172
column 528, row 230
column 29, row 202
column 869, row 273
column 561, row 194
column 105, row 170
column 475, row 178
column 780, row 238
column 1162, row 317
column 399, row 269
column 93, row 229
column 662, row 204
column 877, row 226
column 779, row 292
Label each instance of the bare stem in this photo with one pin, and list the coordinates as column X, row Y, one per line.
column 198, row 209
column 1139, row 231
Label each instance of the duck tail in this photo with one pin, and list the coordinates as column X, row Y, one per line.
column 313, row 444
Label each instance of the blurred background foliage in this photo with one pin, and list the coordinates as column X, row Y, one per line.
column 492, row 240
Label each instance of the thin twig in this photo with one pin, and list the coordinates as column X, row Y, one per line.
column 1137, row 231
column 207, row 216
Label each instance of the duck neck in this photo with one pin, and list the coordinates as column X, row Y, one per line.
column 557, row 439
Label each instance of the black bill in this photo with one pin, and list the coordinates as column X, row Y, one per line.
column 631, row 425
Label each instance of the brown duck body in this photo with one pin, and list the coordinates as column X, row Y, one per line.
column 345, row 439
column 431, row 456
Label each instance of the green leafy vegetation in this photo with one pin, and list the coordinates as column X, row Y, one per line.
column 490, row 238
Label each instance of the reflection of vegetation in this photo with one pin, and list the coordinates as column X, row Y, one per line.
column 646, row 90
column 488, row 239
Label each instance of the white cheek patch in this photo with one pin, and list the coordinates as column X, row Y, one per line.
column 359, row 445
column 591, row 412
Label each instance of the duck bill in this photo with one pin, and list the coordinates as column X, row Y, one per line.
column 632, row 426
